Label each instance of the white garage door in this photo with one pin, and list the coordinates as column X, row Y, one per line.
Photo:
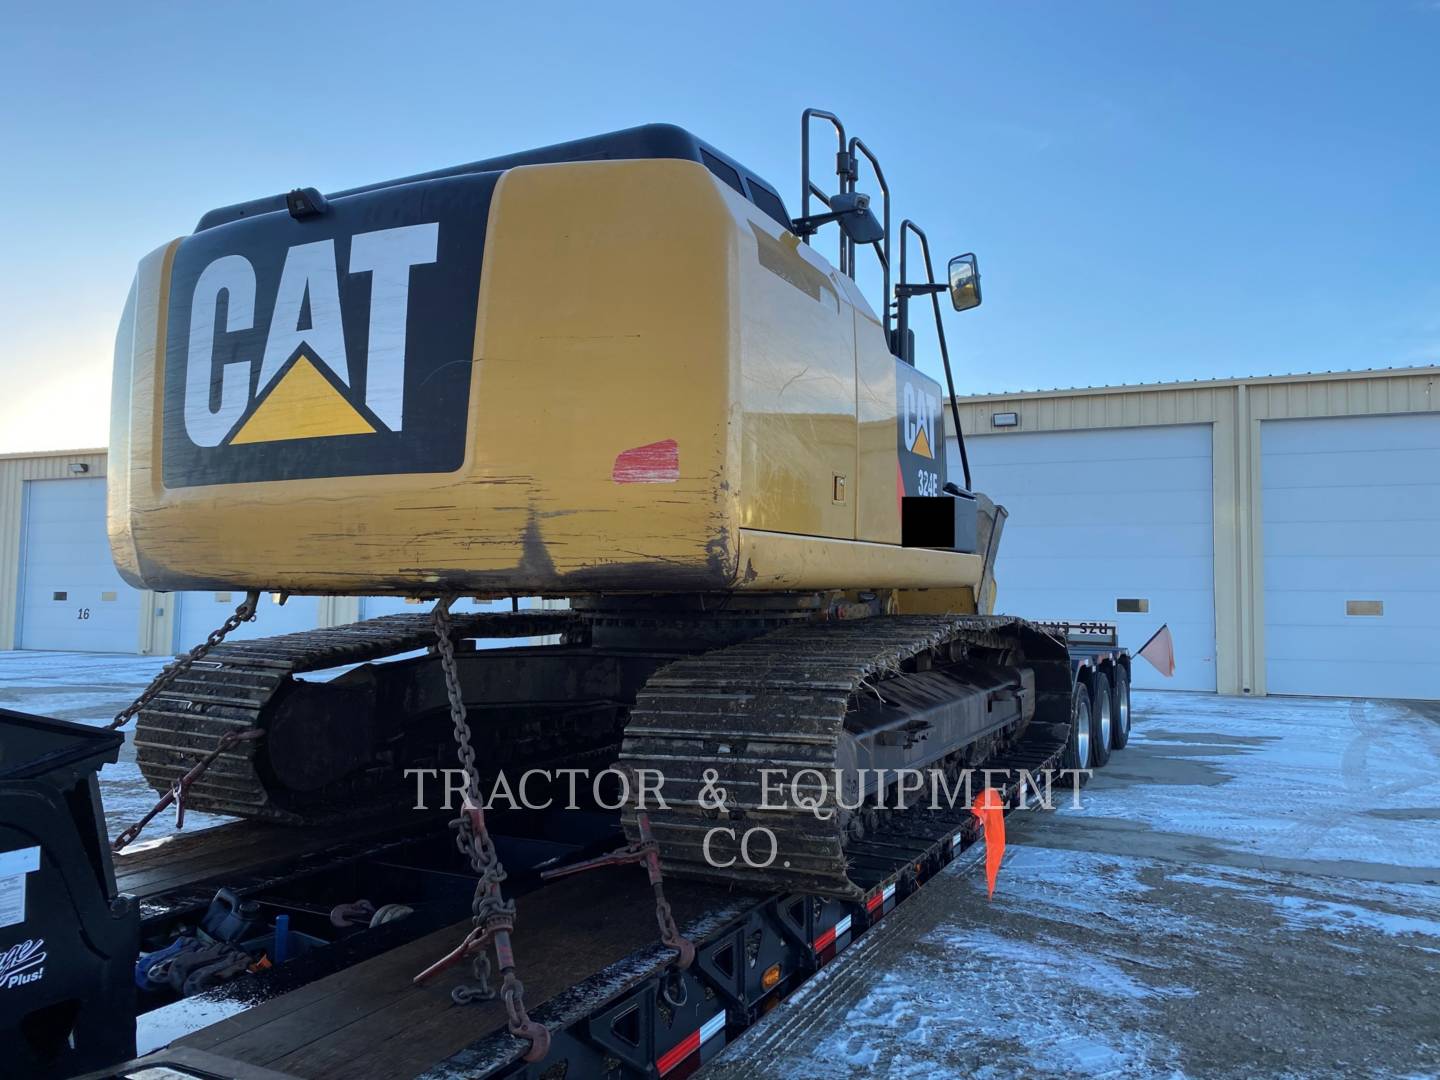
column 1351, row 511
column 1102, row 521
column 71, row 596
column 202, row 612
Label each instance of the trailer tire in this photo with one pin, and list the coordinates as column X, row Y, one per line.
column 1078, row 748
column 1120, row 706
column 1102, row 719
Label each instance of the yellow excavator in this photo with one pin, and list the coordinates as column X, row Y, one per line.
column 614, row 371
column 617, row 373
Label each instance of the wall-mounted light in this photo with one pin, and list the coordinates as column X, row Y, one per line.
column 79, row 467
column 1004, row 419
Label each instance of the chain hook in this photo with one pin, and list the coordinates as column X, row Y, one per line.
column 492, row 916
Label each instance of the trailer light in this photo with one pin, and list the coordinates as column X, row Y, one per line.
column 771, row 976
column 1004, row 419
column 79, row 468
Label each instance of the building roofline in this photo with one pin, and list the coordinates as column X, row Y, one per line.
column 1206, row 384
column 19, row 454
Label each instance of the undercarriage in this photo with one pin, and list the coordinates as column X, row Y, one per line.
column 800, row 712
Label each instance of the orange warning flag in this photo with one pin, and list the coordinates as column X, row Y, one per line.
column 989, row 807
column 1160, row 651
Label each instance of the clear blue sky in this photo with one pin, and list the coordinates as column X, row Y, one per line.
column 1157, row 191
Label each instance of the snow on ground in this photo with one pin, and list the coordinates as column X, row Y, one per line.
column 90, row 688
column 1369, row 770
column 1249, row 889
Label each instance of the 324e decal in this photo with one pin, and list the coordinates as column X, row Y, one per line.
column 921, row 436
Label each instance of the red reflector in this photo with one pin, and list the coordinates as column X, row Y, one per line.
column 875, row 901
column 679, row 1053
column 825, row 940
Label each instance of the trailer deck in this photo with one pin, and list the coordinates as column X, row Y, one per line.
column 586, row 945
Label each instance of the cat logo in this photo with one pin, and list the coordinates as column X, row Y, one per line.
column 922, row 420
column 341, row 344
column 305, row 388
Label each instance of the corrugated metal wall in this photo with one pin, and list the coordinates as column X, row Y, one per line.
column 15, row 469
column 1235, row 408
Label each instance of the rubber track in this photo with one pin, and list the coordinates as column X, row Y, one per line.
column 230, row 689
column 779, row 701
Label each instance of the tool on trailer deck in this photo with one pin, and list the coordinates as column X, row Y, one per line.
column 172, row 671
column 177, row 791
column 646, row 851
column 494, row 917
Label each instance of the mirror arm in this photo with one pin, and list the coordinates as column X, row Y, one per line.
column 809, row 226
column 919, row 290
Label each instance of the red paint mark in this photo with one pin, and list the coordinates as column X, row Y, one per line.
column 685, row 1048
column 989, row 807
column 653, row 463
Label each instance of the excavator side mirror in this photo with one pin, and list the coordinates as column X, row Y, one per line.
column 964, row 282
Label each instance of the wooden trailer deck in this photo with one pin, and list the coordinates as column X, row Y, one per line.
column 369, row 1019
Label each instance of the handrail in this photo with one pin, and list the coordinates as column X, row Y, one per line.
column 882, row 248
column 903, row 327
column 807, row 187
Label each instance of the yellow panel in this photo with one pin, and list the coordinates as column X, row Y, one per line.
column 656, row 364
column 604, row 324
column 771, row 560
column 797, row 385
column 935, row 601
column 876, row 403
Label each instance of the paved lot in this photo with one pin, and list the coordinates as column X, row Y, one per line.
column 1252, row 888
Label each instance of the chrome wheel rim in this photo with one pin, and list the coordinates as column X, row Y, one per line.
column 1082, row 739
column 1124, row 710
column 1105, row 726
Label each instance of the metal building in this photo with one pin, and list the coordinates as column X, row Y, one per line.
column 1287, row 528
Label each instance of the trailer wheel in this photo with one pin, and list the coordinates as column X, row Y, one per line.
column 1102, row 719
column 1120, row 704
column 1076, row 757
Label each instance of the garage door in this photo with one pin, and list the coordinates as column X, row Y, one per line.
column 202, row 612
column 1351, row 534
column 71, row 596
column 1114, row 525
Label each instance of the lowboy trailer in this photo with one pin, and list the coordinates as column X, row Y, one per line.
column 342, row 1003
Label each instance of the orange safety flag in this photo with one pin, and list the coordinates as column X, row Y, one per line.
column 1160, row 651
column 989, row 807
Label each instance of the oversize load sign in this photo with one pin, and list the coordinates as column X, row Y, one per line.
column 339, row 345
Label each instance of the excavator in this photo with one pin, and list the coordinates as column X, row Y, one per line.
column 615, row 372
